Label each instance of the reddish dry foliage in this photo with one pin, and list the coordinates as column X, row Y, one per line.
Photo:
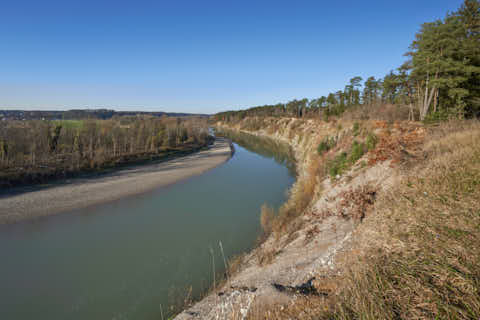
column 356, row 203
column 397, row 147
column 381, row 124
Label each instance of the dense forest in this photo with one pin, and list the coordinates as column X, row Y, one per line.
column 440, row 80
column 35, row 151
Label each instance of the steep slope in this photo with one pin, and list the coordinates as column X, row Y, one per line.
column 346, row 173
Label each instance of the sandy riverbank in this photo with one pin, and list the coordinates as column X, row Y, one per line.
column 83, row 192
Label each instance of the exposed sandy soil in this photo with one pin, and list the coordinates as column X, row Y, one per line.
column 33, row 202
column 311, row 254
column 325, row 230
column 293, row 265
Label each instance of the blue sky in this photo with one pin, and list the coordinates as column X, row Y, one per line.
column 197, row 56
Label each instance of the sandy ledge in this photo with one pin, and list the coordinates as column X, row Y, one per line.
column 80, row 193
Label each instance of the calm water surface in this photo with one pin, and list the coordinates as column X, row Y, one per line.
column 124, row 259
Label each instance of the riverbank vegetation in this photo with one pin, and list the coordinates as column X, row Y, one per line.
column 420, row 258
column 36, row 151
column 440, row 80
column 414, row 252
column 399, row 159
column 267, row 147
column 412, row 190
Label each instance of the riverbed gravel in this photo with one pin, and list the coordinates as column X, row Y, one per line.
column 34, row 202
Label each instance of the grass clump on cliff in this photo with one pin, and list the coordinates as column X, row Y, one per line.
column 356, row 129
column 284, row 220
column 338, row 165
column 371, row 141
column 267, row 216
column 357, row 151
column 326, row 144
column 343, row 161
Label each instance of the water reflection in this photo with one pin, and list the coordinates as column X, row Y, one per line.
column 279, row 151
column 124, row 259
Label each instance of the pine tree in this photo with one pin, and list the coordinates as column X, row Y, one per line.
column 445, row 62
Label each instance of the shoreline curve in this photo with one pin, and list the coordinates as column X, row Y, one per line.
column 82, row 193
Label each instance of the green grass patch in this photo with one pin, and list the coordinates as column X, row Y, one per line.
column 338, row 165
column 326, row 144
column 356, row 129
column 371, row 141
column 71, row 124
column 344, row 160
column 358, row 150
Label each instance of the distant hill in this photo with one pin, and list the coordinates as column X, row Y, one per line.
column 83, row 114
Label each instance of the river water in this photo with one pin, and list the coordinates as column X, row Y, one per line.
column 132, row 258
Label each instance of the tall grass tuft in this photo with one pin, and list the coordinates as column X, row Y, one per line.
column 267, row 216
column 326, row 144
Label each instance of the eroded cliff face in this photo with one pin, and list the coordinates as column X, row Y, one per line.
column 342, row 167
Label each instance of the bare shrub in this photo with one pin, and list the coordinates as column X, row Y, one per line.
column 380, row 111
column 397, row 147
column 356, row 203
column 235, row 263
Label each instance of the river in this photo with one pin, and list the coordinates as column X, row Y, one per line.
column 137, row 257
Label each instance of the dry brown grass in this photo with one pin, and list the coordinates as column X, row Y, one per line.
column 302, row 308
column 417, row 254
column 266, row 256
column 401, row 146
column 308, row 186
column 267, row 217
column 316, row 171
column 235, row 264
column 300, row 198
column 285, row 221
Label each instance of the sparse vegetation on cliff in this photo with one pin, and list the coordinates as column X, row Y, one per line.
column 392, row 235
column 415, row 255
column 383, row 220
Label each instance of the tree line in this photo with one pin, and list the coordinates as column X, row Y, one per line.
column 77, row 114
column 35, row 148
column 440, row 79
